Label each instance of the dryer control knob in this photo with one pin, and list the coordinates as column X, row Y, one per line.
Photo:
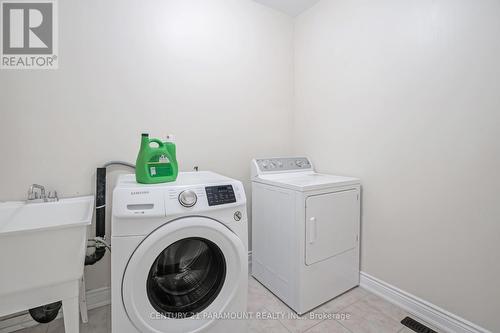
column 188, row 198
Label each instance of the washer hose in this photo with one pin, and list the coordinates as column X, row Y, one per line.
column 100, row 212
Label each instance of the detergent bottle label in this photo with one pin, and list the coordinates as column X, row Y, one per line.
column 160, row 166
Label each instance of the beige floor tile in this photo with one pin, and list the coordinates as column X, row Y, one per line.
column 366, row 319
column 260, row 297
column 387, row 308
column 328, row 326
column 265, row 325
column 295, row 325
column 343, row 301
column 293, row 322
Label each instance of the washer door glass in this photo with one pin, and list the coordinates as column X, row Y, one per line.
column 186, row 277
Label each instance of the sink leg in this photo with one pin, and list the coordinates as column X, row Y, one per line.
column 71, row 315
column 83, row 302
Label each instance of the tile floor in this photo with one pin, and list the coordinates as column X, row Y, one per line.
column 367, row 312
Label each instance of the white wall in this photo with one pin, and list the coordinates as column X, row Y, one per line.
column 406, row 96
column 208, row 71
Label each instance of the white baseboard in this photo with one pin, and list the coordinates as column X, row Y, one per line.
column 95, row 299
column 434, row 315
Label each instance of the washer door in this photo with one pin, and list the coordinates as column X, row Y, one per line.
column 182, row 274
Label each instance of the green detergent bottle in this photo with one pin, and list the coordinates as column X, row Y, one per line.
column 156, row 161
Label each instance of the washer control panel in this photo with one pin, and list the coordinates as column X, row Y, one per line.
column 283, row 164
column 197, row 193
column 220, row 194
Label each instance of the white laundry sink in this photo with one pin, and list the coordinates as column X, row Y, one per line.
column 42, row 252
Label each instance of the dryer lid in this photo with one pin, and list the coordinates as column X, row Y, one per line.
column 306, row 181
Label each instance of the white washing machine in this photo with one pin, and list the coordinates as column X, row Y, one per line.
column 179, row 262
column 305, row 231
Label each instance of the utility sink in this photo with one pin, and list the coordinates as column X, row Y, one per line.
column 42, row 253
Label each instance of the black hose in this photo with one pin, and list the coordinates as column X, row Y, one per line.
column 100, row 216
column 98, row 254
column 100, row 203
column 100, row 211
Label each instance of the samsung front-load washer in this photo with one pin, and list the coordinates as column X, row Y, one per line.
column 179, row 262
column 305, row 231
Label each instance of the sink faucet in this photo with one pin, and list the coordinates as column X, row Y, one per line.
column 34, row 195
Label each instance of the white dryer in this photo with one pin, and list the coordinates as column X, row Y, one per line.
column 179, row 262
column 305, row 231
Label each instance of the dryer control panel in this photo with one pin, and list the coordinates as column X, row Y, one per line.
column 267, row 165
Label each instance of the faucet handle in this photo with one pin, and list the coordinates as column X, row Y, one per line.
column 53, row 196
